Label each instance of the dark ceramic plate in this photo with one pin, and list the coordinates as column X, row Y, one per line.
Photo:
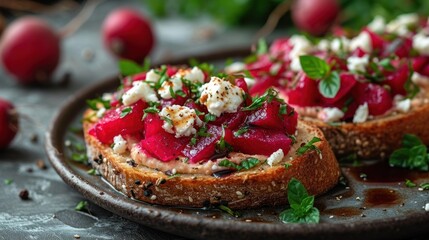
column 372, row 202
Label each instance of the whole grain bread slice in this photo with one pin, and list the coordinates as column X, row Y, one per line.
column 259, row 186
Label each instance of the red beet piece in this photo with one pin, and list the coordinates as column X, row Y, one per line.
column 261, row 141
column 263, row 83
column 152, row 124
column 205, row 147
column 348, row 80
column 230, row 120
column 419, row 63
column 379, row 100
column 164, row 146
column 396, row 80
column 112, row 124
column 305, row 93
column 377, row 41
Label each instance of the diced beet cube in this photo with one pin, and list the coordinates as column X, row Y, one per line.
column 377, row 41
column 139, row 76
column 419, row 63
column 379, row 100
column 241, row 83
column 152, row 124
column 401, row 47
column 396, row 80
column 263, row 83
column 164, row 146
column 171, row 70
column 230, row 120
column 261, row 66
column 281, row 48
column 348, row 80
column 305, row 93
column 205, row 147
column 261, row 141
column 112, row 124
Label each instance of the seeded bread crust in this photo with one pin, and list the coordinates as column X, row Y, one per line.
column 261, row 186
column 376, row 138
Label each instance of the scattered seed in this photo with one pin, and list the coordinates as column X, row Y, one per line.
column 24, row 194
column 41, row 164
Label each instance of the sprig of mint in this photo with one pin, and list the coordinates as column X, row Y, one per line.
column 302, row 208
column 412, row 155
column 309, row 146
column 128, row 67
column 317, row 69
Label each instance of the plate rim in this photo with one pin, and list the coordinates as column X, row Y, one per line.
column 185, row 225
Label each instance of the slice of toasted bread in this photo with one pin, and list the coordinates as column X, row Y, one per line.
column 376, row 138
column 259, row 186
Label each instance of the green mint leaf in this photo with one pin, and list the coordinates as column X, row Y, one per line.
column 412, row 155
column 409, row 183
column 309, row 146
column 249, row 163
column 241, row 131
column 82, row 206
column 128, row 67
column 296, row 192
column 330, row 85
column 125, row 112
column 411, row 140
column 262, row 47
column 229, row 211
column 8, row 181
column 92, row 171
column 314, row 67
column 424, row 186
column 229, row 164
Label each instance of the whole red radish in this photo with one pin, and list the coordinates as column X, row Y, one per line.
column 128, row 34
column 315, row 16
column 30, row 50
column 8, row 123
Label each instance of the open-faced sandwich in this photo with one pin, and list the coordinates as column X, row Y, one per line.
column 365, row 92
column 179, row 137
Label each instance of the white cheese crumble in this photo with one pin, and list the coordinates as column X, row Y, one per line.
column 357, row 64
column 221, row 96
column 195, row 75
column 401, row 24
column 173, row 84
column 295, row 65
column 421, row 43
column 339, row 45
column 235, row 67
column 427, row 207
column 419, row 79
column 140, row 91
column 402, row 105
column 100, row 112
column 301, row 46
column 180, row 120
column 363, row 41
column 377, row 25
column 250, row 82
column 323, row 45
column 361, row 114
column 119, row 144
column 275, row 157
column 152, row 76
column 330, row 114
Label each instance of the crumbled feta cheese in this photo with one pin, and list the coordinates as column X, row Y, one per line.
column 275, row 68
column 330, row 114
column 339, row 45
column 221, row 96
column 235, row 67
column 419, row 79
column 107, row 97
column 427, row 207
column 363, row 41
column 195, row 75
column 100, row 112
column 402, row 105
column 275, row 157
column 377, row 25
column 152, row 76
column 173, row 84
column 301, row 46
column 357, row 64
column 119, row 144
column 401, row 24
column 140, row 90
column 361, row 114
column 421, row 43
column 323, row 45
column 250, row 82
column 295, row 65
column 181, row 120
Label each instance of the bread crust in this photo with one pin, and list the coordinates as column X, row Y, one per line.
column 376, row 138
column 253, row 188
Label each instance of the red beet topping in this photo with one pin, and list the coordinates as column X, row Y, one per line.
column 267, row 124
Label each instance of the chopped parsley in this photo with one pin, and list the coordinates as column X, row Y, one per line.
column 168, row 120
column 257, row 102
column 209, row 117
column 412, row 155
column 262, row 47
column 82, row 206
column 288, row 165
column 222, row 145
column 309, row 146
column 424, row 186
column 125, row 112
column 8, row 181
column 241, row 131
column 302, row 208
column 92, row 171
column 246, row 164
column 283, row 109
column 95, row 103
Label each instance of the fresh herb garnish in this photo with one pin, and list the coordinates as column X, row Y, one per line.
column 288, row 165
column 8, row 181
column 168, row 120
column 317, row 69
column 181, row 93
column 301, row 205
column 229, row 211
column 205, row 67
column 172, row 93
column 262, row 47
column 82, row 206
column 77, row 151
column 95, row 103
column 222, row 145
column 125, row 112
column 241, row 131
column 424, row 186
column 309, row 146
column 202, row 132
column 92, row 171
column 128, row 67
column 209, row 117
column 409, row 183
column 283, row 109
column 257, row 102
column 246, row 164
column 412, row 155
